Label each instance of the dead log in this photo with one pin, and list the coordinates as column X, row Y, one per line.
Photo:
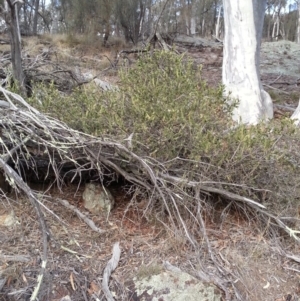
column 196, row 42
column 4, row 41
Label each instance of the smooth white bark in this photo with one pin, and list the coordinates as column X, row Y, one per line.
column 298, row 25
column 296, row 115
column 243, row 31
column 193, row 26
column 218, row 23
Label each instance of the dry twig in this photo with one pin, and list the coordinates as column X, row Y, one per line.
column 88, row 221
column 110, row 267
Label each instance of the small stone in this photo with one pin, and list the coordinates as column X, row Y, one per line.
column 8, row 219
column 97, row 199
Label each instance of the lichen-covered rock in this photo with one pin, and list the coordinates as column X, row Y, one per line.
column 97, row 199
column 8, row 219
column 174, row 286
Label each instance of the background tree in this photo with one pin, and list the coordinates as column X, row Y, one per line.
column 298, row 25
column 35, row 17
column 134, row 19
column 243, row 32
column 12, row 21
column 83, row 17
column 130, row 14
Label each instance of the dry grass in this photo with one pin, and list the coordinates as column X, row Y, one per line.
column 85, row 54
column 4, row 48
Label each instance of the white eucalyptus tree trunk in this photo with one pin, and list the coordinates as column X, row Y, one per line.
column 298, row 25
column 218, row 23
column 193, row 26
column 296, row 115
column 243, row 30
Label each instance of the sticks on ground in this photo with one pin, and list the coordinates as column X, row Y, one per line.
column 88, row 221
column 110, row 267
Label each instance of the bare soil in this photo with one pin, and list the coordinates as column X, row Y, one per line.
column 77, row 255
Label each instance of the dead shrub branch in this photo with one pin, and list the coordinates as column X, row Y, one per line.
column 88, row 221
column 110, row 267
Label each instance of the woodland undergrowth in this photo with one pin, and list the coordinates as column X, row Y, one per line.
column 163, row 109
column 169, row 135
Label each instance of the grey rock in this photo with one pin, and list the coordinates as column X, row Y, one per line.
column 174, row 286
column 105, row 85
column 97, row 199
column 8, row 219
column 4, row 104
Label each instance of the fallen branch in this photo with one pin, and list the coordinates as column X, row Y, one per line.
column 273, row 88
column 286, row 108
column 2, row 282
column 16, row 180
column 222, row 192
column 88, row 221
column 275, row 80
column 19, row 258
column 110, row 267
column 3, row 41
column 217, row 39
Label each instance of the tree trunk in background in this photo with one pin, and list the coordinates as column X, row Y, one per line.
column 296, row 114
column 54, row 26
column 269, row 24
column 193, row 26
column 243, row 30
column 218, row 23
column 35, row 17
column 107, row 9
column 13, row 23
column 274, row 27
column 298, row 26
column 130, row 15
column 25, row 21
column 203, row 27
column 183, row 18
column 192, row 19
column 149, row 23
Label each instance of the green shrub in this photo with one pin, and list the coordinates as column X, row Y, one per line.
column 165, row 103
column 81, row 109
column 174, row 116
column 162, row 100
